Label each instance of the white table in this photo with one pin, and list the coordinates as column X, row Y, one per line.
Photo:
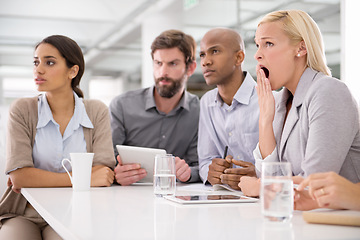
column 133, row 212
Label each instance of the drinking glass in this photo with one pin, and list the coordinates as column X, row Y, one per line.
column 277, row 196
column 164, row 175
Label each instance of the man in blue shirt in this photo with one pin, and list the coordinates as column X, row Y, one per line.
column 229, row 114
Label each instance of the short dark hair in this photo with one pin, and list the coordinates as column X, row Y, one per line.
column 175, row 38
column 73, row 55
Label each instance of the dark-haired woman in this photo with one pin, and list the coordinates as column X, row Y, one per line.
column 45, row 129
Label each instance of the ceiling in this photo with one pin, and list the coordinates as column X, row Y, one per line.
column 109, row 31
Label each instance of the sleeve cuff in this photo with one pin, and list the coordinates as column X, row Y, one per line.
column 259, row 160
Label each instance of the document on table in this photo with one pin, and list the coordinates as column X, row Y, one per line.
column 199, row 187
column 335, row 217
column 194, row 187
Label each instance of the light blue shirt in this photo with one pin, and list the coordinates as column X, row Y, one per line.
column 50, row 146
column 235, row 126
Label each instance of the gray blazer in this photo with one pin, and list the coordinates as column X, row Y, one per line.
column 321, row 132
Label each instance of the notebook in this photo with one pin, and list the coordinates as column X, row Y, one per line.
column 335, row 217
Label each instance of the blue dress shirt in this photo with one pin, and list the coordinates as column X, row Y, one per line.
column 235, row 126
column 50, row 147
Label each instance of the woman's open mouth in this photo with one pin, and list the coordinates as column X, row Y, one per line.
column 266, row 71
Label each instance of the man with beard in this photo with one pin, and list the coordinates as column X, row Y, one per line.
column 229, row 114
column 163, row 116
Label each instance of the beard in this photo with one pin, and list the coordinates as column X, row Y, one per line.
column 168, row 91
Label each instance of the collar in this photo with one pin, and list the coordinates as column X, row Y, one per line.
column 242, row 95
column 303, row 86
column 80, row 116
column 150, row 100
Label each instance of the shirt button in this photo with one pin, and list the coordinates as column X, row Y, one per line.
column 230, row 134
column 163, row 136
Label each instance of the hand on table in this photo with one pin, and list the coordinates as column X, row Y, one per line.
column 183, row 171
column 101, row 176
column 328, row 190
column 232, row 176
column 250, row 186
column 217, row 168
column 129, row 173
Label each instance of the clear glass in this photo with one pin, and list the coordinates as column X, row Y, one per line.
column 277, row 194
column 164, row 175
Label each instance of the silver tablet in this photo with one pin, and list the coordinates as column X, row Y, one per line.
column 210, row 198
column 141, row 155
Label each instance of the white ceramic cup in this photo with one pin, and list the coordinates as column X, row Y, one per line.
column 81, row 164
column 164, row 175
column 277, row 193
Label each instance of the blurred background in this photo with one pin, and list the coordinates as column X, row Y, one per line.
column 115, row 36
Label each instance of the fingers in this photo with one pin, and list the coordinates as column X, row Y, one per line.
column 309, row 179
column 219, row 165
column 228, row 159
column 129, row 173
column 250, row 186
column 213, row 179
column 247, row 169
column 325, row 200
column 102, row 176
column 110, row 176
column 260, row 78
column 119, row 159
column 184, row 175
column 225, row 163
column 241, row 163
column 9, row 183
column 127, row 167
column 179, row 163
column 130, row 177
column 315, row 183
column 17, row 190
column 183, row 171
column 297, row 179
column 231, row 180
column 230, row 177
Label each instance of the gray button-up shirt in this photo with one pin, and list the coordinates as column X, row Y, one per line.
column 136, row 121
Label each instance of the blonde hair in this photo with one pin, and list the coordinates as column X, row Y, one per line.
column 299, row 26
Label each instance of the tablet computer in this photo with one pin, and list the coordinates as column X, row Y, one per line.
column 141, row 155
column 210, row 198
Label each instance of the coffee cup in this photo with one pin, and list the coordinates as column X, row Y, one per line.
column 81, row 164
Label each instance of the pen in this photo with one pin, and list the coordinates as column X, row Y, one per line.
column 225, row 152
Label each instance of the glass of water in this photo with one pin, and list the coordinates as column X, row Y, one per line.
column 164, row 175
column 277, row 194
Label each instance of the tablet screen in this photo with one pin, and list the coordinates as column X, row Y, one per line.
column 207, row 197
column 210, row 198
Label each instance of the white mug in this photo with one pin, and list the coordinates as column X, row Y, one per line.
column 81, row 164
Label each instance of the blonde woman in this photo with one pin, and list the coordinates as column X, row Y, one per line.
column 313, row 122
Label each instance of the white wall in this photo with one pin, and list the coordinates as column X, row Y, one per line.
column 350, row 50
